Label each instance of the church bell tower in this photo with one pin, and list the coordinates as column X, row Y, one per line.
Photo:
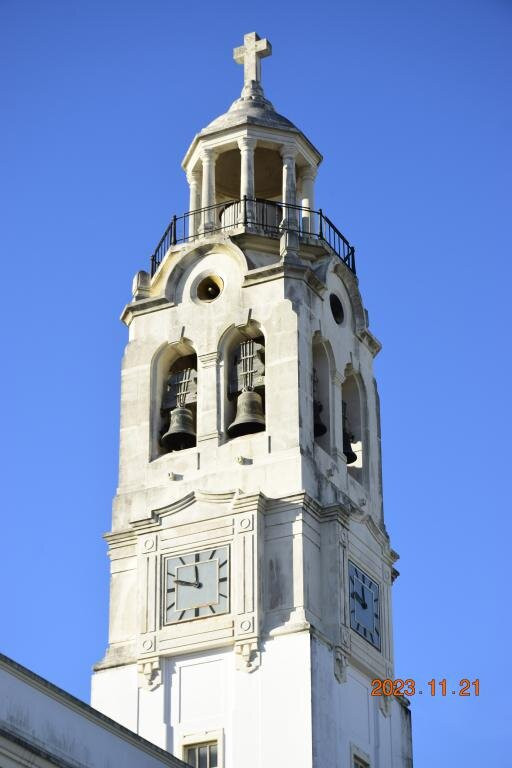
column 251, row 571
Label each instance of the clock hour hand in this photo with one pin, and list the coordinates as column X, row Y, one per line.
column 364, row 604
column 186, row 583
column 359, row 599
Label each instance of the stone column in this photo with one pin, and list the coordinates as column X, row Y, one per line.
column 288, row 153
column 194, row 181
column 247, row 147
column 308, row 176
column 208, row 158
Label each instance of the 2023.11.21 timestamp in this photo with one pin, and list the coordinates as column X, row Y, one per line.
column 434, row 687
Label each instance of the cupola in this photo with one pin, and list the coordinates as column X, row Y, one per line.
column 250, row 162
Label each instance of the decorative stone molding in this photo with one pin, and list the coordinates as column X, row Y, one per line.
column 150, row 674
column 340, row 664
column 245, row 524
column 149, row 543
column 141, row 286
column 345, row 638
column 247, row 656
column 385, row 705
column 208, row 359
column 147, row 644
column 370, row 341
column 245, row 624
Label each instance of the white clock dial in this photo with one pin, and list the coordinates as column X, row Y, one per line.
column 364, row 605
column 196, row 585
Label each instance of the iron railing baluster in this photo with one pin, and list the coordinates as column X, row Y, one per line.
column 269, row 215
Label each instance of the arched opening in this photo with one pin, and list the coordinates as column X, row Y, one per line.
column 352, row 426
column 268, row 174
column 244, row 380
column 227, row 175
column 321, row 396
column 174, row 420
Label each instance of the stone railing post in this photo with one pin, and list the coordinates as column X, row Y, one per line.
column 208, row 158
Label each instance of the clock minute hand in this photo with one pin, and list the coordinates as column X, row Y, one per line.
column 364, row 604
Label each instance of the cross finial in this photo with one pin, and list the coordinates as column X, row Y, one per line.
column 250, row 54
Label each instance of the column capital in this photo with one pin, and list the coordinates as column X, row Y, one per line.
column 194, row 177
column 247, row 143
column 208, row 154
column 308, row 173
column 288, row 152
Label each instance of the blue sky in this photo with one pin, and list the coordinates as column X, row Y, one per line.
column 410, row 104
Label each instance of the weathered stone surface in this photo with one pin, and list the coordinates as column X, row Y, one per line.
column 282, row 677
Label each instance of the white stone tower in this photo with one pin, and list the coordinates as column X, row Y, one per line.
column 250, row 602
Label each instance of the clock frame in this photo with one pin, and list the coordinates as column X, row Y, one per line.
column 196, row 585
column 364, row 604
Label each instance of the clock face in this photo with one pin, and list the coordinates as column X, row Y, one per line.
column 364, row 605
column 197, row 585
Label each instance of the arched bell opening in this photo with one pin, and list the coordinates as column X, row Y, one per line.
column 321, row 396
column 353, row 429
column 244, row 375
column 174, row 423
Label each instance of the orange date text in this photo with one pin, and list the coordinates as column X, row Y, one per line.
column 434, row 687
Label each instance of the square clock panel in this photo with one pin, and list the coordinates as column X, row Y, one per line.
column 196, row 585
column 364, row 605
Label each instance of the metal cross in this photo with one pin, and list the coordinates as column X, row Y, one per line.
column 250, row 54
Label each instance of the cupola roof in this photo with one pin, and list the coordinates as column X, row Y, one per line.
column 252, row 108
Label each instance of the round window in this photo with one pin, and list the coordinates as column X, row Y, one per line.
column 209, row 288
column 336, row 308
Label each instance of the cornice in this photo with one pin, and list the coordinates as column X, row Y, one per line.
column 370, row 341
column 143, row 307
column 118, row 538
column 235, row 499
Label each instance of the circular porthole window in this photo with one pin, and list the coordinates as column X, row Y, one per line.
column 336, row 308
column 209, row 288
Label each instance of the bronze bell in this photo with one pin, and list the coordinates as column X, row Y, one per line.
column 347, row 448
column 347, row 438
column 249, row 414
column 181, row 433
column 319, row 428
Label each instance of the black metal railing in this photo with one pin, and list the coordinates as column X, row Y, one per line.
column 260, row 216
